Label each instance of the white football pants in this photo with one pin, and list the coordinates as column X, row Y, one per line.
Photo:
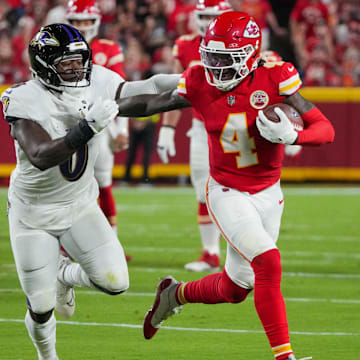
column 86, row 235
column 249, row 223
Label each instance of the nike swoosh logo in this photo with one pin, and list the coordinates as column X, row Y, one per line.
column 281, row 201
column 71, row 302
column 290, row 68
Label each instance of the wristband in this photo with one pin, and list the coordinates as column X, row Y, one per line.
column 169, row 126
column 79, row 135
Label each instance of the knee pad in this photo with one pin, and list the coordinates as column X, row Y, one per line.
column 41, row 318
column 231, row 292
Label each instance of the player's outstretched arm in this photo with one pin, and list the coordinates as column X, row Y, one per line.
column 146, row 105
column 156, row 84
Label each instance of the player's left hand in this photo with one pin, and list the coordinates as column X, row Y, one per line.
column 276, row 132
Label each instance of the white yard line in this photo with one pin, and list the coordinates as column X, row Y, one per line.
column 4, row 274
column 140, row 294
column 174, row 328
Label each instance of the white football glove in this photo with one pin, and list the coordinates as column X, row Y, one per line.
column 101, row 113
column 292, row 150
column 166, row 143
column 281, row 132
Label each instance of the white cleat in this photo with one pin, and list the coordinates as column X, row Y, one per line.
column 292, row 357
column 65, row 295
column 207, row 262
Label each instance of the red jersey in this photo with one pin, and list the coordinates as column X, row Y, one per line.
column 108, row 53
column 186, row 50
column 240, row 157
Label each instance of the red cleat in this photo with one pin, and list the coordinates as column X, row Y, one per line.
column 165, row 305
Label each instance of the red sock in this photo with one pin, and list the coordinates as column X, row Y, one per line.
column 107, row 204
column 213, row 289
column 269, row 302
column 203, row 214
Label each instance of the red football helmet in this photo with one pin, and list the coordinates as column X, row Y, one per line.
column 230, row 49
column 207, row 10
column 81, row 10
column 270, row 56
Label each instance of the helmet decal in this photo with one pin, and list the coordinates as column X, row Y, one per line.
column 252, row 30
column 44, row 38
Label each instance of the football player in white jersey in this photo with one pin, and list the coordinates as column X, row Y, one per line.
column 54, row 119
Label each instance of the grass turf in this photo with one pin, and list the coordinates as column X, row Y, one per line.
column 320, row 246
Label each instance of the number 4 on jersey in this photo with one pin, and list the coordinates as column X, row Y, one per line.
column 235, row 138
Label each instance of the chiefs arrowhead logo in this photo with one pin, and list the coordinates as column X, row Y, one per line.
column 251, row 30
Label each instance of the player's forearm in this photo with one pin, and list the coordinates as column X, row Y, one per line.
column 135, row 106
column 157, row 84
column 146, row 105
column 319, row 130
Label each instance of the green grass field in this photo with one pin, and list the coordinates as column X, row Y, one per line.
column 320, row 246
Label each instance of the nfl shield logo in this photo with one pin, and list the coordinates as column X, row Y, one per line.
column 231, row 100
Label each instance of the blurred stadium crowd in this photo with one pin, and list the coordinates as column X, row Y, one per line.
column 321, row 37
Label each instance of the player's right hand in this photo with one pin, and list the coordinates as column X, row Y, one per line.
column 166, row 143
column 101, row 113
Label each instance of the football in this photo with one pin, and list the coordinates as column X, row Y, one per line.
column 289, row 111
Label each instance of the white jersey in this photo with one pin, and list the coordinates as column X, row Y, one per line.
column 74, row 179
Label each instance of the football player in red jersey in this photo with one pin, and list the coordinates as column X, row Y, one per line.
column 293, row 151
column 85, row 15
column 186, row 53
column 243, row 191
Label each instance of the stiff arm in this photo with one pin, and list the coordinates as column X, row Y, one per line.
column 146, row 105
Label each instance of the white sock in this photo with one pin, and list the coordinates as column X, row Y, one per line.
column 43, row 336
column 210, row 238
column 73, row 275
